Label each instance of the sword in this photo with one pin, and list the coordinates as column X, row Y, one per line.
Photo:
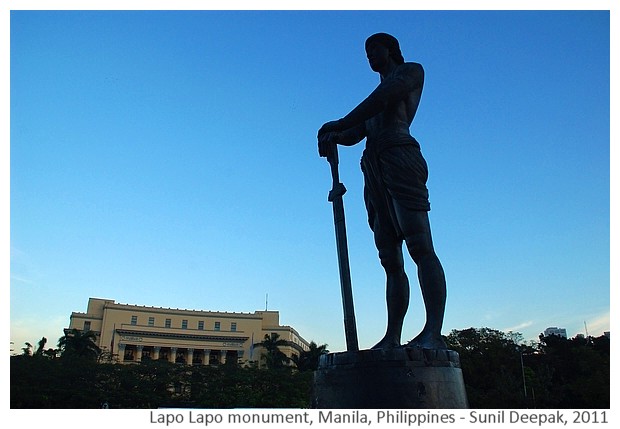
column 335, row 197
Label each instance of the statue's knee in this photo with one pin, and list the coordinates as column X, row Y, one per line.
column 419, row 246
column 391, row 260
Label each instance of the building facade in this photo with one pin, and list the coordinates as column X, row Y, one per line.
column 132, row 333
column 558, row 332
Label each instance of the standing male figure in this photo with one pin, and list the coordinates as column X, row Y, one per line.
column 395, row 192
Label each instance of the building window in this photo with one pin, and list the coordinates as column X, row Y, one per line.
column 184, row 324
column 87, row 325
column 168, row 323
column 217, row 326
column 233, row 326
column 215, row 357
column 232, row 356
column 201, row 324
column 151, row 321
column 134, row 320
column 163, row 355
column 128, row 354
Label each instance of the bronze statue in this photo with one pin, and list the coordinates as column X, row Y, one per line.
column 395, row 192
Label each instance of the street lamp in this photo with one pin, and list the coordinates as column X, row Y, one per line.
column 523, row 375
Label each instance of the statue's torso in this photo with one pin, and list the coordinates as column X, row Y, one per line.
column 391, row 127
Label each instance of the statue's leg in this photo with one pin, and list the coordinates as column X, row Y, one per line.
column 417, row 231
column 397, row 288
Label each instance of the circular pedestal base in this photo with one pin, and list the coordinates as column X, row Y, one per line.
column 395, row 378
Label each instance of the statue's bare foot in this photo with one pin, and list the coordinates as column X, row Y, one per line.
column 386, row 343
column 427, row 341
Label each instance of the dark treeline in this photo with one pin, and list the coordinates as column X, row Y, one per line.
column 499, row 370
column 80, row 383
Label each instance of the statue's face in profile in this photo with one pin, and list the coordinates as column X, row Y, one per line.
column 378, row 56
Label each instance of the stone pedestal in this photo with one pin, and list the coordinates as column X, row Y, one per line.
column 397, row 378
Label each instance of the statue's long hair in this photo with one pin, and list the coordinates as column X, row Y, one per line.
column 389, row 42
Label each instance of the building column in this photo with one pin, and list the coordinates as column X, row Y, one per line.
column 139, row 353
column 205, row 360
column 190, row 357
column 156, row 352
column 223, row 356
column 121, row 352
column 173, row 354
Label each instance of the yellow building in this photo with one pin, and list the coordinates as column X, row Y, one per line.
column 133, row 333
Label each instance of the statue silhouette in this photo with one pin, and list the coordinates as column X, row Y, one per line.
column 395, row 193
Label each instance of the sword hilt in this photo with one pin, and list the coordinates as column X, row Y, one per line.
column 338, row 188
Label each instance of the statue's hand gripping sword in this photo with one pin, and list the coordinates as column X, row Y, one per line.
column 335, row 197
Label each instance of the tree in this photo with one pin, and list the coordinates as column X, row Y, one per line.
column 491, row 365
column 79, row 344
column 502, row 372
column 557, row 373
column 49, row 353
column 308, row 360
column 41, row 348
column 578, row 372
column 27, row 351
column 274, row 357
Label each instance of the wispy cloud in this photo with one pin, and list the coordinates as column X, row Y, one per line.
column 20, row 264
column 16, row 253
column 519, row 327
column 20, row 279
column 598, row 324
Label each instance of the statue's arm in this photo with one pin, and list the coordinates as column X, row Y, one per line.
column 347, row 137
column 352, row 136
column 409, row 78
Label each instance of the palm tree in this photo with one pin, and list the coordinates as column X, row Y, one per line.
column 274, row 358
column 79, row 344
column 41, row 348
column 42, row 352
column 27, row 351
column 308, row 360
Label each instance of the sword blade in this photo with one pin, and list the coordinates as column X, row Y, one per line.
column 335, row 196
column 345, row 275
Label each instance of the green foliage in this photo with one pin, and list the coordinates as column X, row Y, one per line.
column 27, row 351
column 82, row 383
column 577, row 370
column 78, row 344
column 501, row 372
column 52, row 383
column 274, row 358
column 40, row 351
column 41, row 347
column 308, row 360
column 224, row 387
column 490, row 361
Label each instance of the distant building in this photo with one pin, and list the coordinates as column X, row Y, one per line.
column 132, row 333
column 558, row 332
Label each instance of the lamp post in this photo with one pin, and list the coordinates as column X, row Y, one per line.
column 523, row 375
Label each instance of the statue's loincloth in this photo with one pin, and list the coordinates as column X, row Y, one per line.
column 396, row 173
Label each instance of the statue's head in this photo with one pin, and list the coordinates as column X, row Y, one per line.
column 389, row 42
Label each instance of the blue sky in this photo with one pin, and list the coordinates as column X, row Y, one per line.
column 169, row 159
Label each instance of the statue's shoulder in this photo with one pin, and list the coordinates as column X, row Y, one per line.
column 411, row 68
column 410, row 71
